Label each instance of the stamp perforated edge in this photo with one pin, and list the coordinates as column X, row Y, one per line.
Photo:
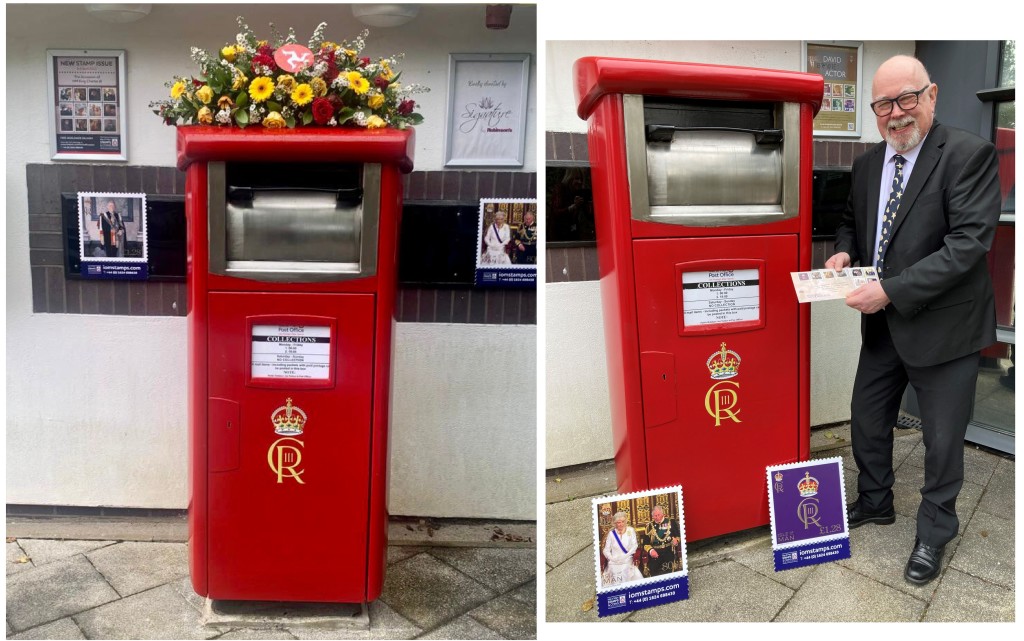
column 678, row 489
column 837, row 460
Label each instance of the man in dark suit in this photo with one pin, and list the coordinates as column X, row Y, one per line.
column 923, row 209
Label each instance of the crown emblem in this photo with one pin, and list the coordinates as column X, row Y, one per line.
column 808, row 485
column 724, row 364
column 778, row 477
column 288, row 419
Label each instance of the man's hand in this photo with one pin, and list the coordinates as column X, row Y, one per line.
column 838, row 262
column 868, row 298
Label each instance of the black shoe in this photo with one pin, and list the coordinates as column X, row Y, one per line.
column 924, row 563
column 856, row 516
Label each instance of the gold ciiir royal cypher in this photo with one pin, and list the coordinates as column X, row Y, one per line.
column 722, row 398
column 285, row 454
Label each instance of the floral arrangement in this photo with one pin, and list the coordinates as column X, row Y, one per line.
column 285, row 84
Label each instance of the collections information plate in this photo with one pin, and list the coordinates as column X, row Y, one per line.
column 722, row 296
column 291, row 351
column 830, row 284
column 807, row 503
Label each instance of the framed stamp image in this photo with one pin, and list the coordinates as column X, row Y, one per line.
column 639, row 550
column 112, row 235
column 506, row 254
column 88, row 86
column 841, row 65
column 807, row 504
column 487, row 107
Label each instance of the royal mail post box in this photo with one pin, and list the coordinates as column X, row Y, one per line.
column 702, row 200
column 291, row 286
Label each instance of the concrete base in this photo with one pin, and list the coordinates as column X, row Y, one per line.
column 229, row 615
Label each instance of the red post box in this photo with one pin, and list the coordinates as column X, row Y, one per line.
column 292, row 240
column 702, row 199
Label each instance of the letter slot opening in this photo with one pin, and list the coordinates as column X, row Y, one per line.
column 293, row 222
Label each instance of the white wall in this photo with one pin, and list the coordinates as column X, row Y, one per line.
column 96, row 404
column 578, row 416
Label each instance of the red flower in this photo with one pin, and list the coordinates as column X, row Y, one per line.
column 406, row 106
column 381, row 82
column 197, row 83
column 363, row 62
column 323, row 110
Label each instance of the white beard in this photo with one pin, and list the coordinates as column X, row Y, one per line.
column 913, row 138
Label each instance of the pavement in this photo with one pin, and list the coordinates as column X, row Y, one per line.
column 732, row 577
column 127, row 578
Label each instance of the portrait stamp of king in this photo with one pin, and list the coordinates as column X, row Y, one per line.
column 807, row 503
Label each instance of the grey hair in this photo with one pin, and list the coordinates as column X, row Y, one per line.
column 617, row 515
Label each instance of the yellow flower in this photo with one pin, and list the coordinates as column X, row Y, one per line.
column 286, row 82
column 261, row 89
column 375, row 101
column 225, row 102
column 375, row 122
column 351, row 53
column 319, row 87
column 302, row 94
column 177, row 90
column 274, row 120
column 327, row 44
column 387, row 69
column 228, row 53
column 261, row 43
column 205, row 116
column 239, row 82
column 205, row 94
column 357, row 82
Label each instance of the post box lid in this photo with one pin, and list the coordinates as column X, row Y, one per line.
column 596, row 77
column 385, row 145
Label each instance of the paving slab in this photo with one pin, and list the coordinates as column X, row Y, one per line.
column 100, row 528
column 251, row 633
column 527, row 593
column 465, row 627
column 580, row 481
column 761, row 559
column 62, row 629
column 829, row 438
column 55, row 591
column 998, row 499
column 441, row 532
column 723, row 547
column 226, row 615
column 569, row 529
column 962, row 597
column 429, row 592
column 159, row 613
column 501, row 570
column 880, row 552
column 398, row 553
column 509, row 617
column 724, row 591
column 134, row 566
column 44, row 551
column 18, row 560
column 834, row 593
column 987, row 550
column 385, row 623
column 571, row 588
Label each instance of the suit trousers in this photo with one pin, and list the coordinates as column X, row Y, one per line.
column 946, row 395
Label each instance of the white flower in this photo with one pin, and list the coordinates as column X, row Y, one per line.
column 223, row 117
column 359, row 118
column 332, row 122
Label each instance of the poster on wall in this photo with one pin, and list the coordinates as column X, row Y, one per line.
column 86, row 104
column 487, row 96
column 112, row 235
column 839, row 63
column 507, row 243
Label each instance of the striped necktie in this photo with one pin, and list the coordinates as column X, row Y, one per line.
column 891, row 205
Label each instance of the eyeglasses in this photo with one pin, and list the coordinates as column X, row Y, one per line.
column 906, row 101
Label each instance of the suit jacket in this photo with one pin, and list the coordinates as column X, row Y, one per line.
column 936, row 274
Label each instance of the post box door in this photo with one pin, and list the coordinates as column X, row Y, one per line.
column 718, row 337
column 289, row 445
